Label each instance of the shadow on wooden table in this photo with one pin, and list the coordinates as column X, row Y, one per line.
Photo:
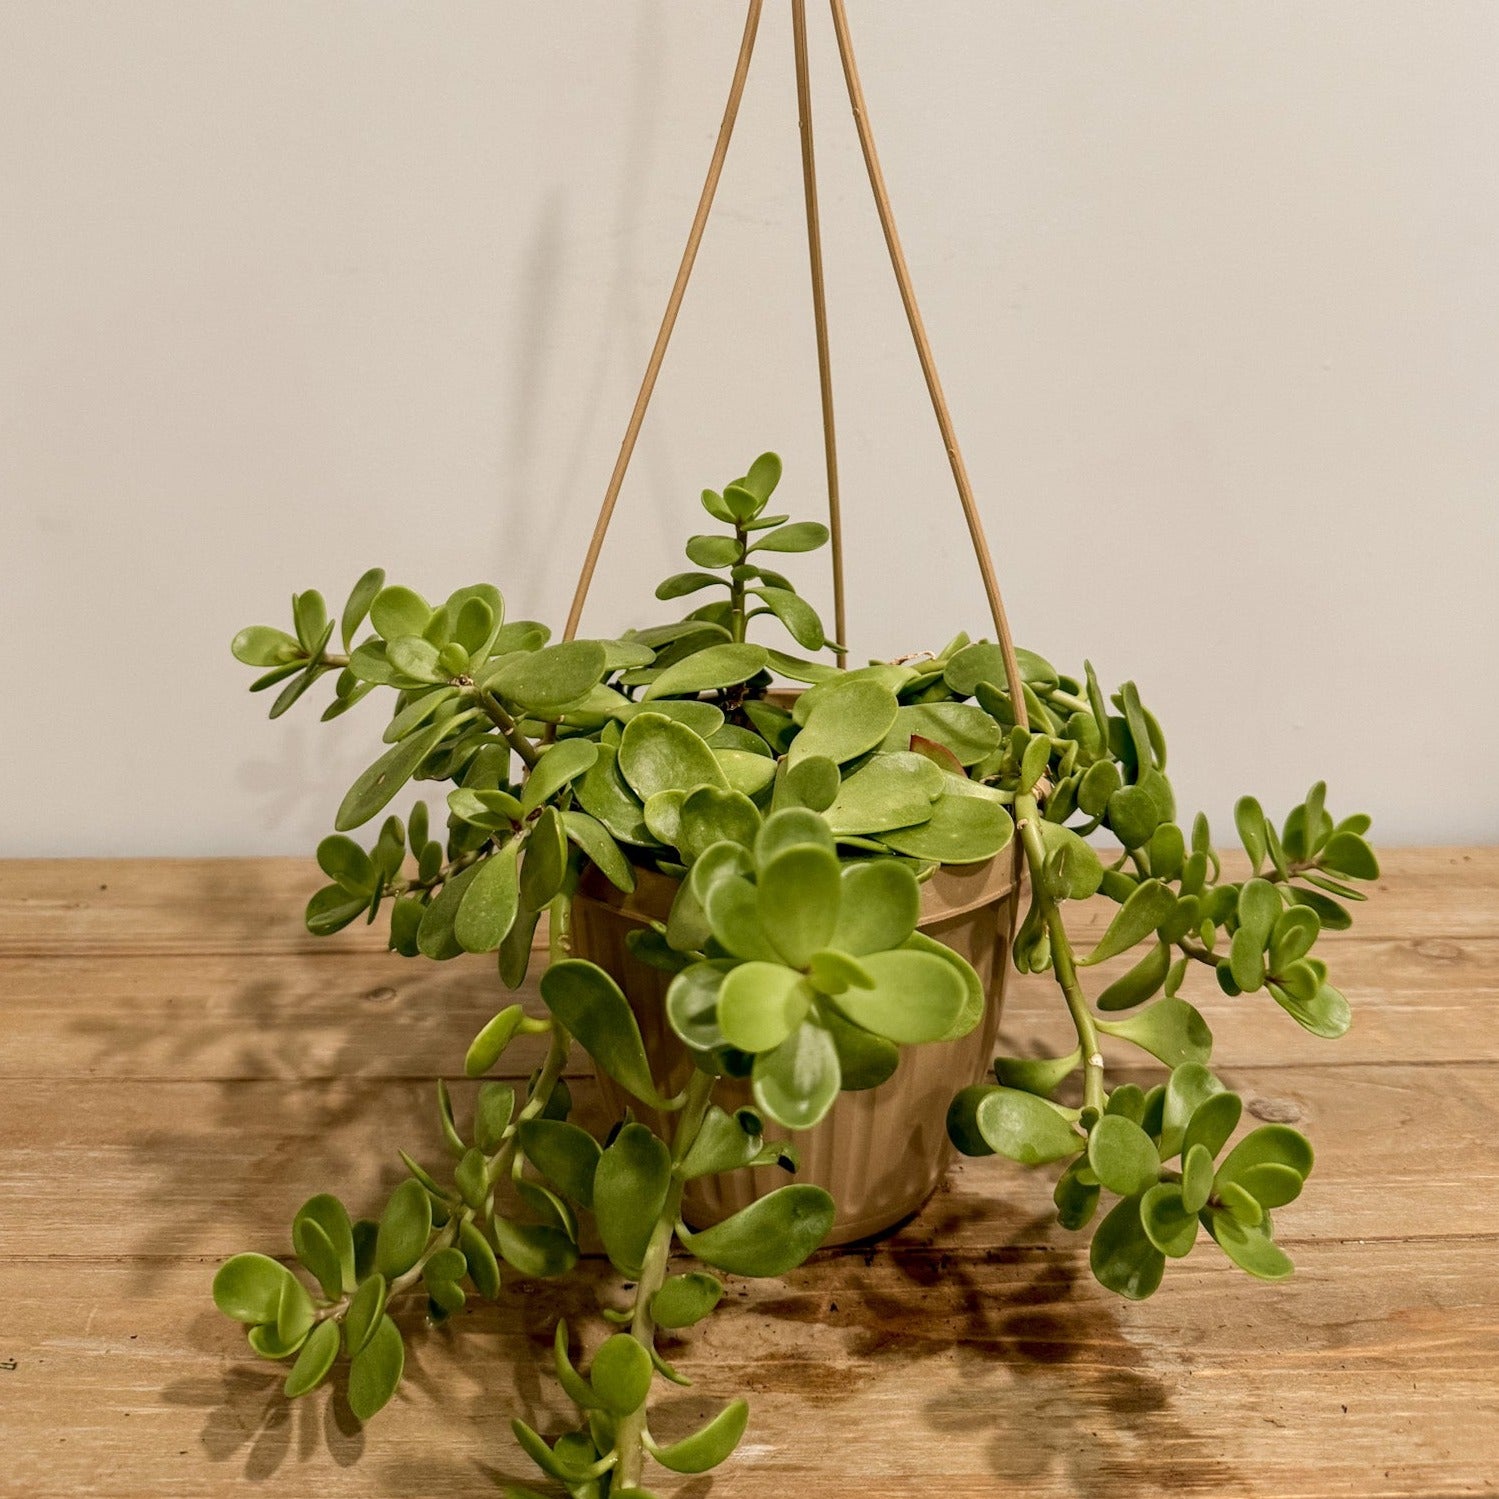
column 248, row 1421
column 257, row 1074
column 1038, row 1353
column 483, row 1368
column 1016, row 1338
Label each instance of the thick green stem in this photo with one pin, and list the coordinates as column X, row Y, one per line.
column 628, row 1441
column 1028, row 824
column 1070, row 701
column 559, row 929
column 506, row 725
column 739, row 620
column 443, row 875
column 1198, row 952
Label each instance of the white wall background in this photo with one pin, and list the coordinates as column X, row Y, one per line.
column 288, row 287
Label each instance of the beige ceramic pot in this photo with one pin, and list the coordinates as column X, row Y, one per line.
column 881, row 1152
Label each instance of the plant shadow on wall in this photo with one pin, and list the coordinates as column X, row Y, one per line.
column 547, row 298
column 793, row 834
column 289, row 785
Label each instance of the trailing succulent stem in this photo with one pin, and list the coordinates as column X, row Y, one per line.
column 799, row 833
column 428, row 1237
column 1256, row 934
column 629, row 1441
column 1027, row 824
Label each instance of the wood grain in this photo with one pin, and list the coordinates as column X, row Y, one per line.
column 221, row 1163
column 182, row 1065
column 1372, row 1372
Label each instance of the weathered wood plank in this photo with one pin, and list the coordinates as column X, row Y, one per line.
column 183, row 1065
column 210, row 1168
column 1373, row 1372
column 201, row 968
column 288, row 1015
column 319, row 1015
column 157, row 907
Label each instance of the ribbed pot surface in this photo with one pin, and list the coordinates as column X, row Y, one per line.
column 881, row 1152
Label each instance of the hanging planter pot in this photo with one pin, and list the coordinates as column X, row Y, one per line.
column 881, row 1151
column 780, row 925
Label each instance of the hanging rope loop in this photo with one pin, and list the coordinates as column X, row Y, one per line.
column 668, row 320
column 856, row 100
column 820, row 321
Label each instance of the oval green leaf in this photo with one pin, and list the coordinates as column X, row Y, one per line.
column 798, row 1082
column 797, row 897
column 760, row 1004
column 629, row 1190
column 489, row 904
column 591, row 1005
column 685, row 1299
column 535, row 1249
column 708, row 1447
column 247, row 1287
column 376, row 1370
column 703, row 671
column 658, row 754
column 377, row 785
column 405, row 1226
column 396, row 612
column 565, row 1154
column 960, row 830
column 364, row 1313
column 621, row 1374
column 599, row 847
column 1251, row 1249
column 314, row 1361
column 771, row 1236
column 985, row 1120
column 488, row 1046
column 1148, row 905
column 916, row 997
column 1348, row 854
column 879, row 907
column 559, row 766
column 547, row 681
column 1123, row 1156
column 1122, row 1257
column 847, row 719
column 1167, row 1221
column 1171, row 1030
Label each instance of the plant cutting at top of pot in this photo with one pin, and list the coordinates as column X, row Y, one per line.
column 795, row 834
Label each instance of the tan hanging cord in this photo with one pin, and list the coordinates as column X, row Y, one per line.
column 820, row 319
column 928, row 365
column 814, row 236
column 668, row 320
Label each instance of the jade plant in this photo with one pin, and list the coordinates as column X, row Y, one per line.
column 799, row 826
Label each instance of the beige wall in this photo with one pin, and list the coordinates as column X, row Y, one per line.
column 291, row 286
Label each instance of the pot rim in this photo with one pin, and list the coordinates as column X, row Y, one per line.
column 950, row 890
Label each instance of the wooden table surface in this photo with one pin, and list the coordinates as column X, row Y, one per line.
column 182, row 1066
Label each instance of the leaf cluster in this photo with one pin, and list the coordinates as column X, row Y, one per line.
column 1126, row 1150
column 510, row 1198
column 799, row 827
